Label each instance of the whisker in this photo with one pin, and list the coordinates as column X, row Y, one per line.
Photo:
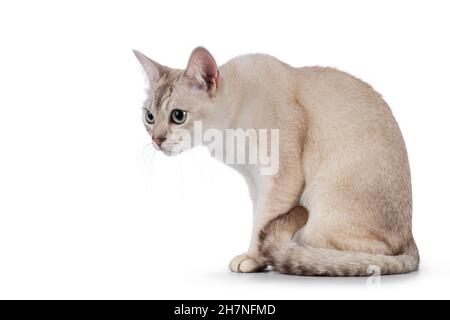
column 148, row 154
column 147, row 150
column 180, row 167
column 150, row 173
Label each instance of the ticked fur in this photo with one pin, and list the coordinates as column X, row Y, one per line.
column 341, row 200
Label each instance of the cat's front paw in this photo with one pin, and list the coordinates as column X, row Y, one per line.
column 245, row 264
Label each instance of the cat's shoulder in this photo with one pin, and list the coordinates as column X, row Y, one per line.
column 256, row 59
column 257, row 65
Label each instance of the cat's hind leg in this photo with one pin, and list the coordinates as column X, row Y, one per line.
column 245, row 263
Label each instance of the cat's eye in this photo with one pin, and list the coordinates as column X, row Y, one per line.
column 149, row 117
column 178, row 116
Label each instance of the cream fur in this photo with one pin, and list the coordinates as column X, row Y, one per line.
column 342, row 157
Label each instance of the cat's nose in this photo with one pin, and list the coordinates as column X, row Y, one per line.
column 159, row 140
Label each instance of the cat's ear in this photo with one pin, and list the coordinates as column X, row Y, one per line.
column 202, row 70
column 153, row 70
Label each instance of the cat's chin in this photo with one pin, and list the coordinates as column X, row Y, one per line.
column 171, row 152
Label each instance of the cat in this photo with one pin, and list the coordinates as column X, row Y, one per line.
column 340, row 202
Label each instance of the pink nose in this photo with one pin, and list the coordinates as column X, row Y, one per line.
column 159, row 140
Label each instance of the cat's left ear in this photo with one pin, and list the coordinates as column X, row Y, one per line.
column 153, row 70
column 202, row 70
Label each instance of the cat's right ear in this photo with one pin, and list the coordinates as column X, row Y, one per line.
column 153, row 70
column 202, row 70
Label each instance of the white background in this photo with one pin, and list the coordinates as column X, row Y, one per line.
column 86, row 211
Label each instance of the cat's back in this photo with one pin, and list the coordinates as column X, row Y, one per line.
column 330, row 88
column 350, row 121
column 323, row 88
column 338, row 104
column 342, row 103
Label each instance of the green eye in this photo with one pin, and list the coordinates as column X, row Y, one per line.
column 178, row 116
column 149, row 117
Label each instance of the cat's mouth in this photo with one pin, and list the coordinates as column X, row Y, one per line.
column 172, row 147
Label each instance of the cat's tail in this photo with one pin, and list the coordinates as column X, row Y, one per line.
column 284, row 255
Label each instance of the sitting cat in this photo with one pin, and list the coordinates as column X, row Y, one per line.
column 340, row 202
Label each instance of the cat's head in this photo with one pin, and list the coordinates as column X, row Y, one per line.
column 178, row 98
